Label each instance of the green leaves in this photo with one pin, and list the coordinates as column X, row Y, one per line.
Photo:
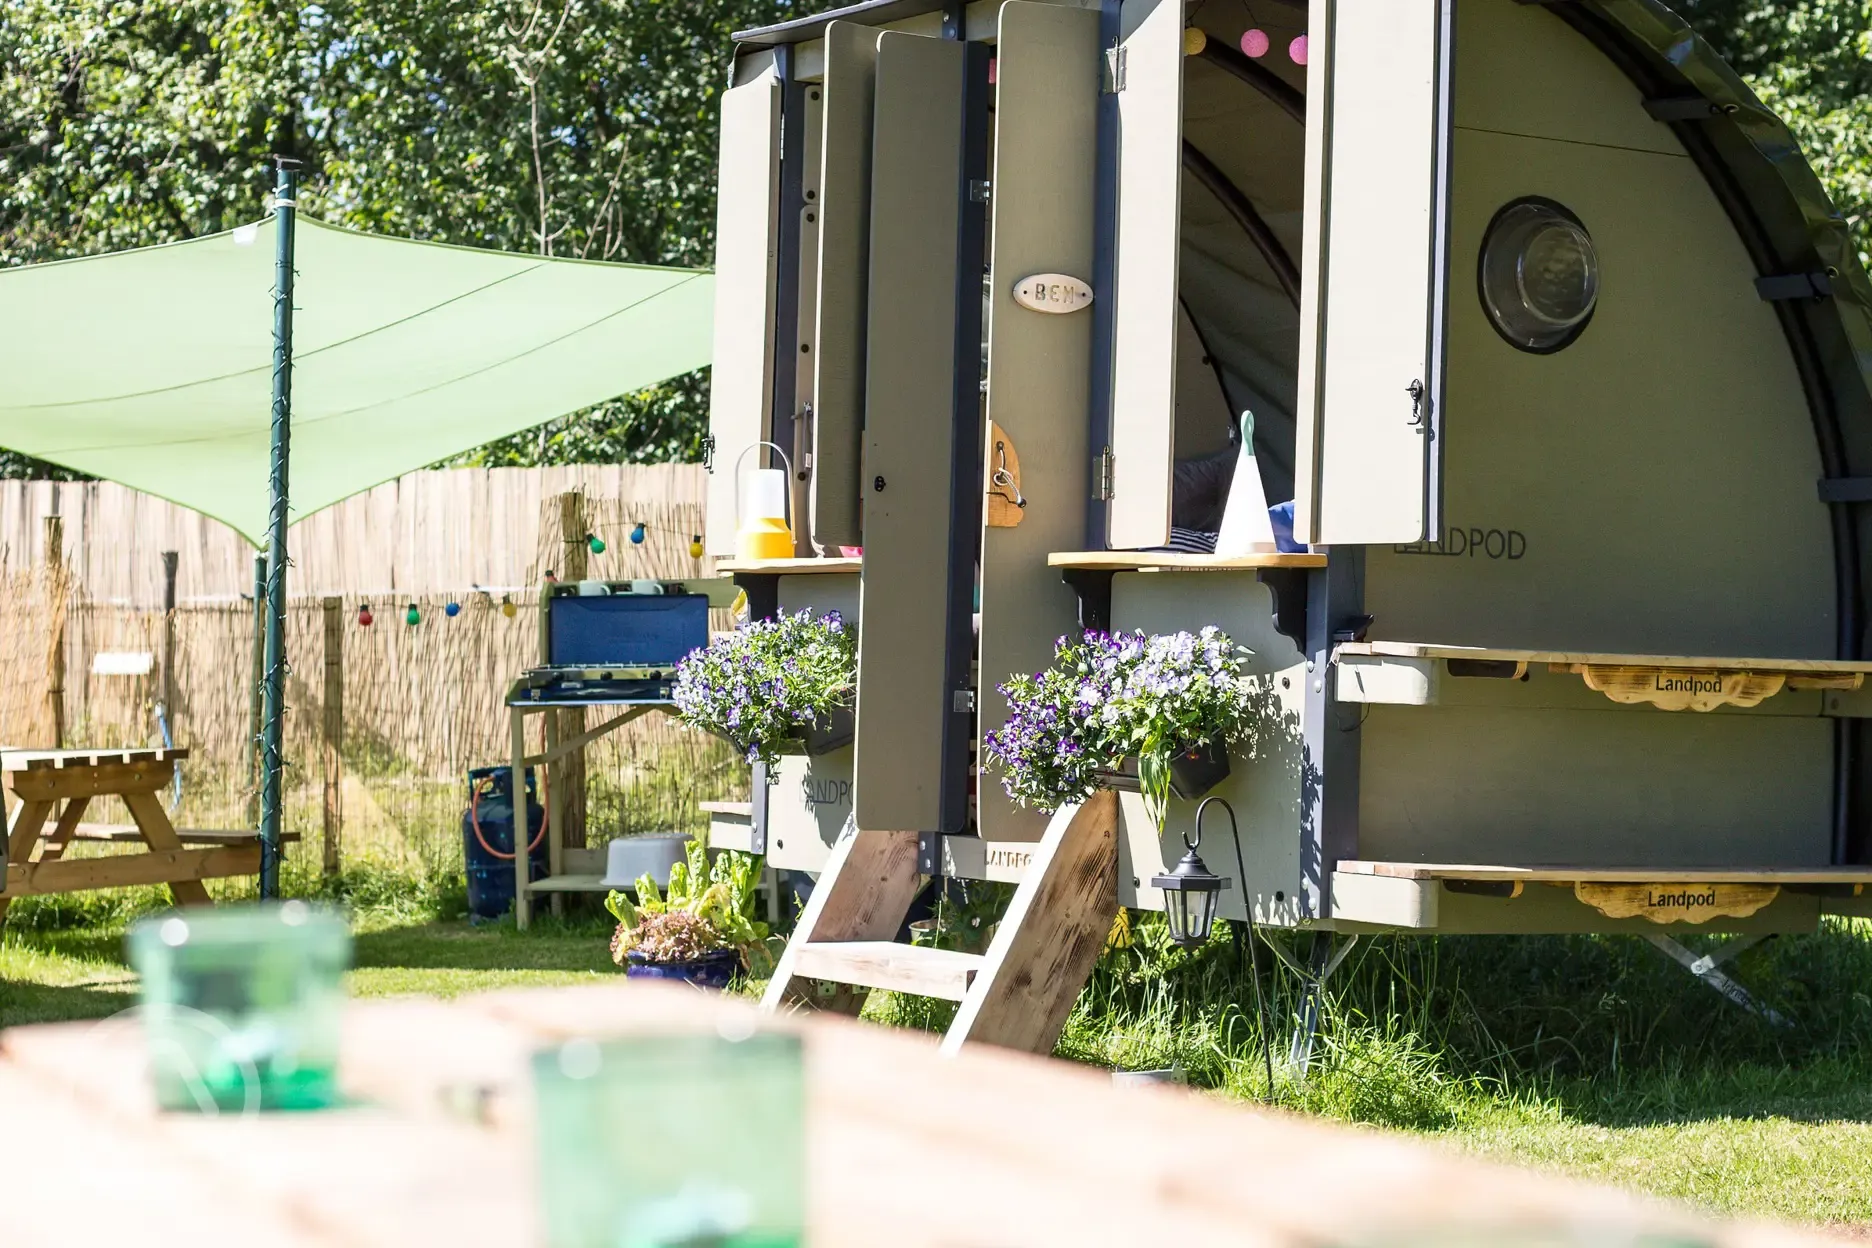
column 581, row 128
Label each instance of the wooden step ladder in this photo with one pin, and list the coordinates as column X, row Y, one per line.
column 1017, row 995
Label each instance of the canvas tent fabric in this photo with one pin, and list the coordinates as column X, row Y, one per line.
column 154, row 368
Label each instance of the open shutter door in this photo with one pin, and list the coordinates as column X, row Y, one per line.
column 1149, row 74
column 746, row 250
column 1039, row 363
column 844, row 237
column 1376, row 273
column 909, row 436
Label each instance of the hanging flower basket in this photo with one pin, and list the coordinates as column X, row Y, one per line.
column 1111, row 697
column 773, row 687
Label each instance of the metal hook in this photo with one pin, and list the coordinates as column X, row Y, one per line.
column 1196, row 826
column 1004, row 480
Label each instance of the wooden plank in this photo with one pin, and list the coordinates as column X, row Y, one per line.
column 942, row 973
column 580, row 883
column 1611, row 874
column 181, row 869
column 441, row 1116
column 746, row 255
column 1051, row 936
column 64, row 830
column 331, row 734
column 154, row 823
column 1433, row 650
column 744, row 810
column 1150, row 233
column 1039, row 364
column 128, row 834
column 904, row 703
column 40, row 760
column 863, row 893
column 1165, row 561
column 1362, row 470
column 50, row 785
column 849, row 83
column 792, row 567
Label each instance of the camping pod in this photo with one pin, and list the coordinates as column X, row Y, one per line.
column 1541, row 324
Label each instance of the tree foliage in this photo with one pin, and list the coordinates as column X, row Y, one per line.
column 582, row 128
column 571, row 127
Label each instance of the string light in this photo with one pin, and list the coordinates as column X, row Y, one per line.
column 1298, row 50
column 412, row 617
column 507, row 606
column 695, row 546
column 364, row 616
column 1194, row 40
column 452, row 610
column 596, row 544
column 637, row 533
column 1255, row 43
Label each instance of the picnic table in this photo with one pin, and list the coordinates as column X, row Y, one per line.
column 904, row 1147
column 51, row 791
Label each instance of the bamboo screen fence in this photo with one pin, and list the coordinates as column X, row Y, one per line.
column 421, row 704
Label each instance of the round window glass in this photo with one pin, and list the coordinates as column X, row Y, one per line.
column 1539, row 275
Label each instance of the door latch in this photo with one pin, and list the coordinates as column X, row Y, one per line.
column 1416, row 392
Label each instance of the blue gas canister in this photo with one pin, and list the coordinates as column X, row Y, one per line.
column 488, row 840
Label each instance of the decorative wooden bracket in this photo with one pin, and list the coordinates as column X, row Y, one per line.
column 1006, row 505
column 1700, row 689
column 1676, row 902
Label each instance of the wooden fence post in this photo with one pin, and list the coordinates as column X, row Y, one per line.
column 334, row 734
column 573, row 531
column 56, row 591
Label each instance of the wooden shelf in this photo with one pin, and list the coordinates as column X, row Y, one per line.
column 1607, row 875
column 1568, row 658
column 791, row 567
column 1165, row 561
column 739, row 810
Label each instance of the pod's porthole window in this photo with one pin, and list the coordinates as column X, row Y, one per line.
column 1538, row 275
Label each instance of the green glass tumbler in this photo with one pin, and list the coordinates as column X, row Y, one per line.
column 241, row 1005
column 672, row 1141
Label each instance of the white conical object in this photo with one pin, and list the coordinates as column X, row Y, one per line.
column 1246, row 527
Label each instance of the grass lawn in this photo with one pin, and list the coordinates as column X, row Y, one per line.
column 1589, row 1057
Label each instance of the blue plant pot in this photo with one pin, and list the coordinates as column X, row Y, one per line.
column 715, row 970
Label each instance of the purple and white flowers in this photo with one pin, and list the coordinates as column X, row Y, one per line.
column 1109, row 696
column 769, row 681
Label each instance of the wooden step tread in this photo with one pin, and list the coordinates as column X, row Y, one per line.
column 885, row 964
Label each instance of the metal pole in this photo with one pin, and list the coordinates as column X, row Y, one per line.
column 272, row 761
column 258, row 680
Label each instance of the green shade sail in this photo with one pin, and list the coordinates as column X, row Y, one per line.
column 153, row 367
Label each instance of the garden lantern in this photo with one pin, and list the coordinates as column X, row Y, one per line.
column 1191, row 890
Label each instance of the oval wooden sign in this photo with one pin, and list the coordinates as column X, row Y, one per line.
column 1052, row 292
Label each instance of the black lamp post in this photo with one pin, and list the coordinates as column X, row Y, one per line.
column 1191, row 890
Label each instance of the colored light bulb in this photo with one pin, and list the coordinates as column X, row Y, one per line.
column 596, row 543
column 412, row 617
column 452, row 610
column 1194, row 40
column 695, row 547
column 364, row 616
column 1298, row 50
column 1255, row 43
column 637, row 533
column 507, row 606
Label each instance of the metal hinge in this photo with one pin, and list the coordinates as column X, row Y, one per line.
column 962, row 701
column 981, row 190
column 1106, row 467
column 1114, row 70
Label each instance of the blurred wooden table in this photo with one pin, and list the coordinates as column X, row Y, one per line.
column 906, row 1149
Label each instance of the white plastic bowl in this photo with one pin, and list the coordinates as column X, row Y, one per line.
column 628, row 857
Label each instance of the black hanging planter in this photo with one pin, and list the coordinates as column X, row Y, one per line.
column 832, row 731
column 1198, row 768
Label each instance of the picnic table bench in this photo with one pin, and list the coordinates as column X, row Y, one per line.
column 50, row 792
column 903, row 1147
